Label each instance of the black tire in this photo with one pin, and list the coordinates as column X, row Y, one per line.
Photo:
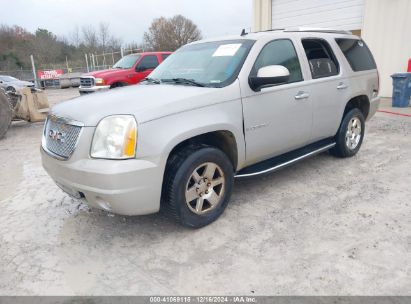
column 11, row 89
column 6, row 114
column 178, row 175
column 118, row 85
column 342, row 149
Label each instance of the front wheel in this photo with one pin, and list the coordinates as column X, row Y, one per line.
column 197, row 185
column 350, row 135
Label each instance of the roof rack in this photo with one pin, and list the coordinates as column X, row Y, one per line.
column 314, row 29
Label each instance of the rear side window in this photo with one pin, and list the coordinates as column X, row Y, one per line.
column 321, row 58
column 148, row 62
column 279, row 52
column 357, row 54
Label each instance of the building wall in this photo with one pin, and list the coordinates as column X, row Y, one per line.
column 261, row 15
column 336, row 14
column 387, row 31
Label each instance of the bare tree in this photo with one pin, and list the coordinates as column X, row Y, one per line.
column 75, row 37
column 90, row 38
column 170, row 34
column 104, row 35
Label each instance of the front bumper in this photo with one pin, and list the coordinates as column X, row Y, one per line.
column 126, row 187
column 93, row 89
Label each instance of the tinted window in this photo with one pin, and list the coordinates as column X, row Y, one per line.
column 279, row 52
column 148, row 62
column 321, row 58
column 164, row 56
column 357, row 54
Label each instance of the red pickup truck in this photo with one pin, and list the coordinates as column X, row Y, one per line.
column 130, row 69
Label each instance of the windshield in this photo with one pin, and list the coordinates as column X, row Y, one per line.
column 126, row 62
column 212, row 64
column 8, row 78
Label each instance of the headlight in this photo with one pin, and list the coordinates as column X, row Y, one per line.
column 99, row 81
column 115, row 138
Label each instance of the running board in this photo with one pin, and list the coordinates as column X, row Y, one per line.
column 279, row 162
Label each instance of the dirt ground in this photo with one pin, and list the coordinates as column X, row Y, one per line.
column 324, row 226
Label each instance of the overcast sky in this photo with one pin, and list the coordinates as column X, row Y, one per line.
column 128, row 19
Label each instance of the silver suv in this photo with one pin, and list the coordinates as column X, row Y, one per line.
column 214, row 110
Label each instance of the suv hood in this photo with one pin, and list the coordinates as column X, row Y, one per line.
column 105, row 73
column 145, row 102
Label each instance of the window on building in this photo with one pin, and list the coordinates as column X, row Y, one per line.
column 148, row 62
column 357, row 54
column 321, row 58
column 279, row 52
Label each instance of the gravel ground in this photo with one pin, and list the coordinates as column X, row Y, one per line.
column 325, row 226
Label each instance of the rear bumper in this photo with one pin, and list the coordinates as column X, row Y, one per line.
column 129, row 187
column 374, row 105
column 86, row 90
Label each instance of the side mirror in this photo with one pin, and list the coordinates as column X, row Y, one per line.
column 141, row 69
column 269, row 76
column 1, row 81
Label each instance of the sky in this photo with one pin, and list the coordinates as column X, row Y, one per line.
column 128, row 19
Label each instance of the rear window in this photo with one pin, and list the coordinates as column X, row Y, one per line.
column 357, row 54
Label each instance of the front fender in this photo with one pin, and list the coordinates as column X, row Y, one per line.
column 160, row 136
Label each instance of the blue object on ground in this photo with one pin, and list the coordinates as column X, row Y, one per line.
column 401, row 90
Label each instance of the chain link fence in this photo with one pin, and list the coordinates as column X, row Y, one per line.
column 92, row 62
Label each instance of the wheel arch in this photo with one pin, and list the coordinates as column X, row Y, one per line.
column 361, row 102
column 222, row 139
column 118, row 83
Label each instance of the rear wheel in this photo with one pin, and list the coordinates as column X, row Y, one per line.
column 197, row 185
column 350, row 135
column 6, row 114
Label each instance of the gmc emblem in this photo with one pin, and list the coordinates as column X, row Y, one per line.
column 56, row 135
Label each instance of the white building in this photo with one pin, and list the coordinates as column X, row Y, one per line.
column 385, row 25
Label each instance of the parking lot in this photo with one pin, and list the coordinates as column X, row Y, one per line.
column 324, row 226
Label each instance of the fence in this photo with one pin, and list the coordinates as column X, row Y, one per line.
column 92, row 62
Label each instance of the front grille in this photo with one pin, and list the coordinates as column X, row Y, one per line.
column 87, row 82
column 60, row 136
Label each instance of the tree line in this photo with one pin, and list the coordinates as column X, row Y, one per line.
column 17, row 44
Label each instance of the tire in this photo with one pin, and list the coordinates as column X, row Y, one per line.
column 209, row 196
column 350, row 134
column 6, row 114
column 118, row 85
column 11, row 89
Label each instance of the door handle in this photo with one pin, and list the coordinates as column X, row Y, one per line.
column 342, row 86
column 301, row 95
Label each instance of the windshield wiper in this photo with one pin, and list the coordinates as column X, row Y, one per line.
column 184, row 81
column 152, row 80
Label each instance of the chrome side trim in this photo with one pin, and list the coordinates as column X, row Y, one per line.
column 288, row 162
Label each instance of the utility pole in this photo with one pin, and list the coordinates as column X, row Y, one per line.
column 88, row 69
column 94, row 62
column 68, row 71
column 34, row 71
